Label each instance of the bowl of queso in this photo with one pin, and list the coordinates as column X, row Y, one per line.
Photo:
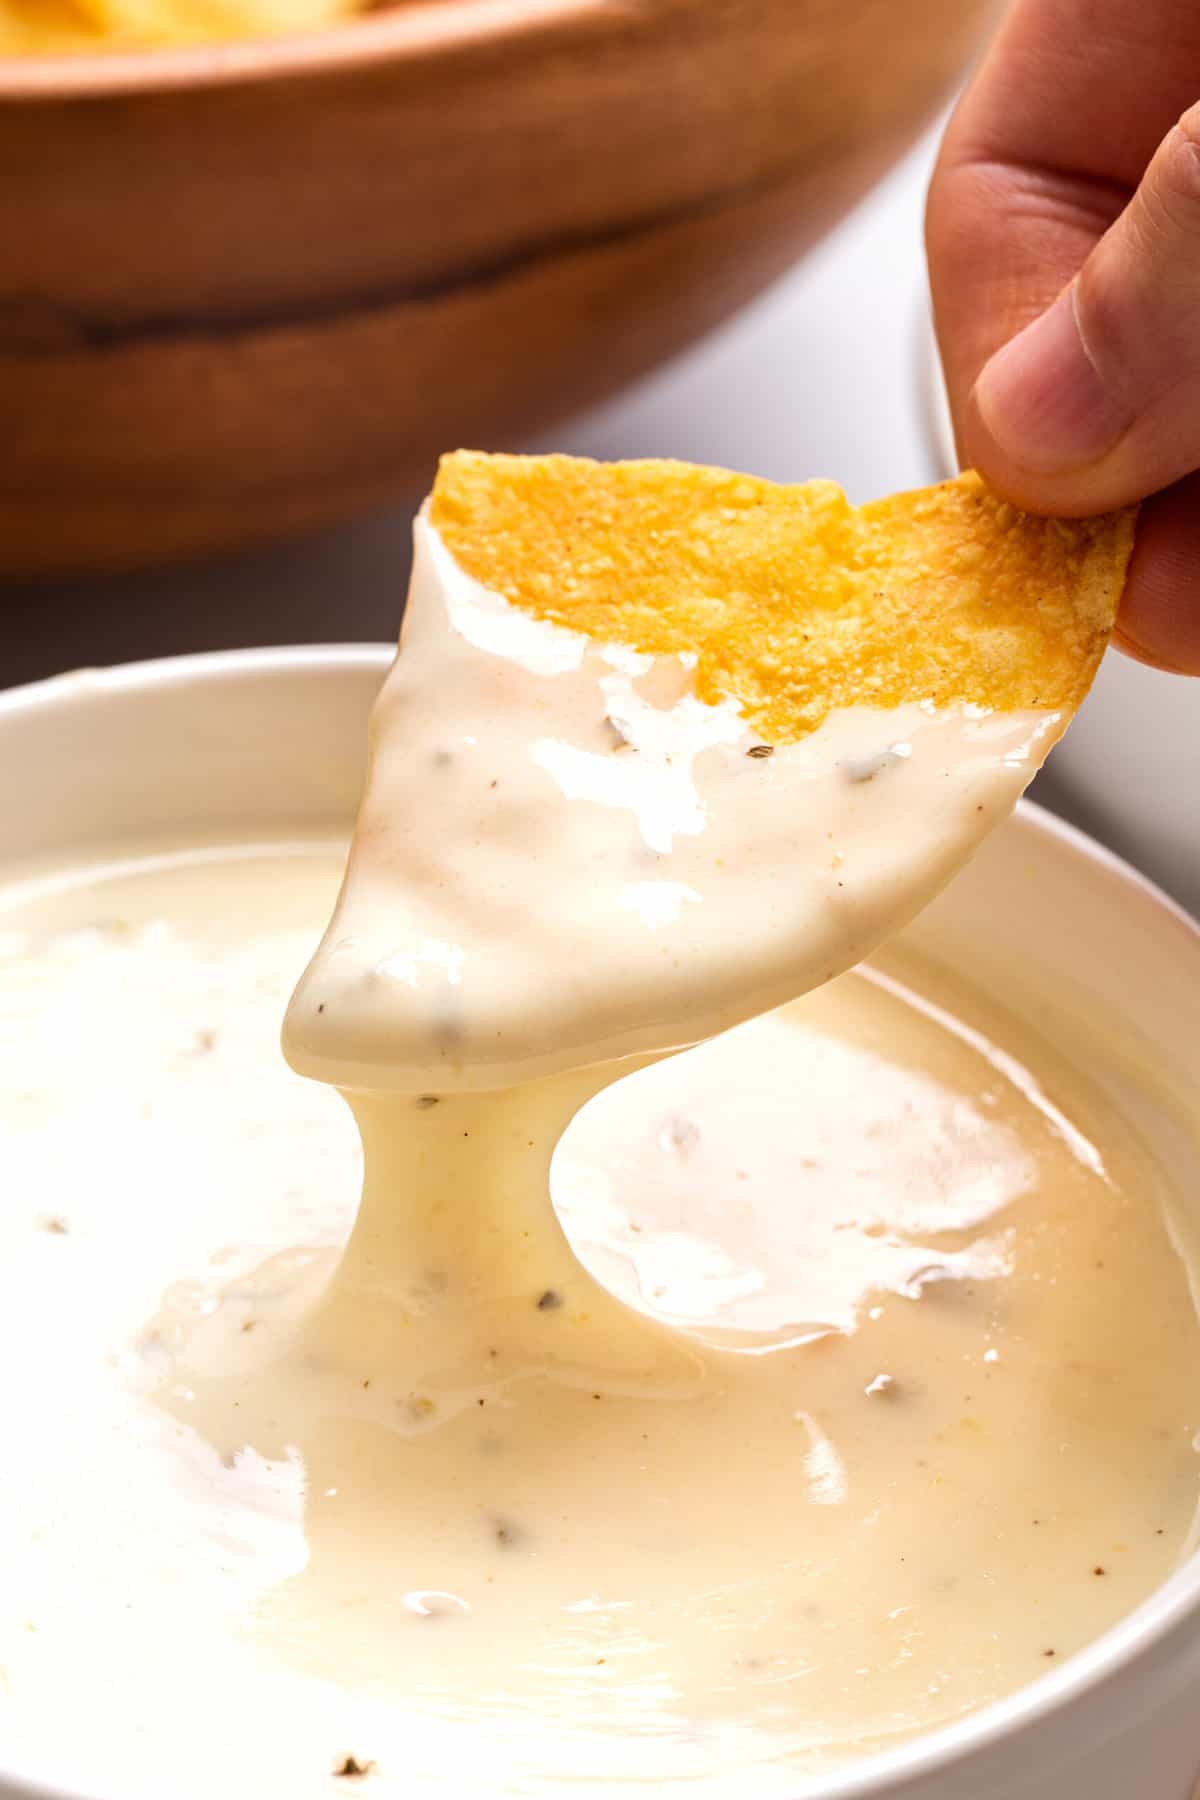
column 263, row 259
column 810, row 1413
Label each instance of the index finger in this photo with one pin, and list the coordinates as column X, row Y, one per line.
column 1044, row 151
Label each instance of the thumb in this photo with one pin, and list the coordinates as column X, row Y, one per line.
column 1097, row 402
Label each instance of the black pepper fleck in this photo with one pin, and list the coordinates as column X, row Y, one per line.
column 761, row 750
column 549, row 1301
column 352, row 1768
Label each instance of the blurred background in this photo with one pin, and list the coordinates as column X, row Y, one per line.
column 829, row 371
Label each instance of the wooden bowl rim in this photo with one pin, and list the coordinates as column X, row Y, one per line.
column 407, row 31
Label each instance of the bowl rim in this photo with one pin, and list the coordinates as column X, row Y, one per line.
column 1173, row 1604
column 405, row 31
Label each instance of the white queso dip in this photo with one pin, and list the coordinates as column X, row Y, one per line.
column 677, row 1423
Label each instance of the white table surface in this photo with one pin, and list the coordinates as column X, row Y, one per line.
column 824, row 375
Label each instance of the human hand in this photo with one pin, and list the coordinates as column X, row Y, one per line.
column 1063, row 234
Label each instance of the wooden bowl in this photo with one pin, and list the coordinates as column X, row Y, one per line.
column 248, row 289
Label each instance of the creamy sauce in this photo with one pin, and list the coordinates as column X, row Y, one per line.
column 563, row 857
column 847, row 1383
column 281, row 1506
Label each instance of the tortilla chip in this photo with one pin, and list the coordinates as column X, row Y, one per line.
column 793, row 601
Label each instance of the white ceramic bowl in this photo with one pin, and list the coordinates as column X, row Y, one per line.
column 1126, row 769
column 1044, row 918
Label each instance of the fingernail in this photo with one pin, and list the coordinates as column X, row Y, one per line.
column 1042, row 400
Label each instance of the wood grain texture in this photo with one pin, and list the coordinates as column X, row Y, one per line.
column 247, row 290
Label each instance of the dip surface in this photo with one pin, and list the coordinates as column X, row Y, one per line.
column 443, row 1505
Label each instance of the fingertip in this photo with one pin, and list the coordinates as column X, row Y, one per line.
column 1159, row 622
column 1139, row 653
column 1080, row 495
column 1043, row 400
